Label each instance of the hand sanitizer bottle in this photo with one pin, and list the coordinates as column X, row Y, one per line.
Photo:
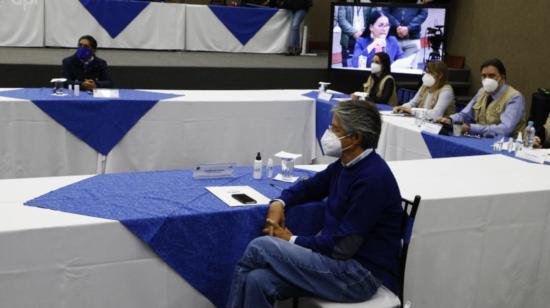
column 257, row 167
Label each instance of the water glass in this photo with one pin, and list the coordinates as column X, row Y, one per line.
column 58, row 88
column 419, row 117
column 287, row 168
column 498, row 142
column 457, row 128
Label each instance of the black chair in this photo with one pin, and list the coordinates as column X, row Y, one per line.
column 405, row 95
column 383, row 298
column 540, row 108
column 218, row 2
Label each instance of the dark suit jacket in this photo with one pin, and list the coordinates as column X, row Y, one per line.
column 345, row 21
column 74, row 70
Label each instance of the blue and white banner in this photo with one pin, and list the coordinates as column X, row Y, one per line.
column 114, row 15
column 116, row 23
column 236, row 29
column 243, row 23
column 22, row 23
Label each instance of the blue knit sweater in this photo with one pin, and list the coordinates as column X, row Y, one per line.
column 362, row 200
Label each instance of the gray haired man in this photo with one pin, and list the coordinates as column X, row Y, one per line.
column 358, row 248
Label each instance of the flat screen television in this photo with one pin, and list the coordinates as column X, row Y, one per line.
column 411, row 35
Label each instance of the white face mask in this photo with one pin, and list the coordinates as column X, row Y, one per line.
column 428, row 80
column 375, row 68
column 331, row 144
column 489, row 85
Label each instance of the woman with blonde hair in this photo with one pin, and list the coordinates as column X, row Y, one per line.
column 435, row 94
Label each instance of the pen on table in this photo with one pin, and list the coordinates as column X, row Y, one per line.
column 278, row 187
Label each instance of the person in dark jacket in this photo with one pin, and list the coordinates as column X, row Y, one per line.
column 406, row 24
column 85, row 68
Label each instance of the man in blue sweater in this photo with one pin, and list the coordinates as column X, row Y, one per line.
column 358, row 248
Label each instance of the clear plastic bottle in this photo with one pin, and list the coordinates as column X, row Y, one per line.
column 76, row 90
column 257, row 174
column 518, row 145
column 269, row 168
column 529, row 135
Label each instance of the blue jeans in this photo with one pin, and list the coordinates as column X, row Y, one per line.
column 297, row 18
column 273, row 269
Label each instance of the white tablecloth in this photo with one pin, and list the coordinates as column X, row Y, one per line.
column 480, row 240
column 158, row 26
column 200, row 127
column 400, row 139
column 205, row 32
column 481, row 234
column 53, row 259
column 22, row 23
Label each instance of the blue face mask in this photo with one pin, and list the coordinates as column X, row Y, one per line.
column 83, row 53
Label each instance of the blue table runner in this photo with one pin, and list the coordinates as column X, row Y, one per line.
column 243, row 22
column 101, row 123
column 193, row 231
column 114, row 15
column 451, row 146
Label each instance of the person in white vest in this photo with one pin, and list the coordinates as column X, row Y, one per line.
column 497, row 108
column 435, row 94
column 380, row 86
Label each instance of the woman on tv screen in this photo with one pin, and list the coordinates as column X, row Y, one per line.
column 375, row 40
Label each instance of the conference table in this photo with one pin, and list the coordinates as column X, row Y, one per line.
column 144, row 130
column 181, row 129
column 480, row 238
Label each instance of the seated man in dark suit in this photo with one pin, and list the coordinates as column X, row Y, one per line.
column 85, row 68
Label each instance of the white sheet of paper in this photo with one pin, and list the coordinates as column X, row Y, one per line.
column 324, row 96
column 279, row 177
column 314, row 168
column 287, row 155
column 535, row 156
column 106, row 93
column 433, row 128
column 406, row 62
column 224, row 193
column 390, row 113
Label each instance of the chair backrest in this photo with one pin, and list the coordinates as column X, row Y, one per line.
column 405, row 95
column 218, row 2
column 409, row 213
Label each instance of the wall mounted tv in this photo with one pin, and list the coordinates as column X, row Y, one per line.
column 410, row 34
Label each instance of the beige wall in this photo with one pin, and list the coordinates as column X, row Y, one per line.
column 318, row 19
column 516, row 31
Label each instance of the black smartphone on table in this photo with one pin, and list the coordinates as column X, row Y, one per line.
column 244, row 198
